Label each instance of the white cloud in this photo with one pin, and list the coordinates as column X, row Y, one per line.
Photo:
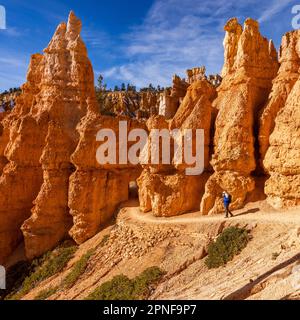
column 175, row 35
column 274, row 8
column 95, row 38
column 180, row 34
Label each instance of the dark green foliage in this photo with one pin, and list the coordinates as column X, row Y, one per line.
column 78, row 269
column 45, row 267
column 104, row 240
column 123, row 288
column 119, row 288
column 144, row 282
column 230, row 243
column 45, row 294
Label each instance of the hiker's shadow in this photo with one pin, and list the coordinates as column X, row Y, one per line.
column 247, row 212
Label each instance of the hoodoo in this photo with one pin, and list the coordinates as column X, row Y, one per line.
column 250, row 66
column 280, row 128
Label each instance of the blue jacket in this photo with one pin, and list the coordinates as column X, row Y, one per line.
column 226, row 200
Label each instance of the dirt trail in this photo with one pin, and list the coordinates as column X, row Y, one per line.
column 251, row 214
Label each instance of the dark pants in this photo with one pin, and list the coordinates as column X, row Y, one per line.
column 227, row 210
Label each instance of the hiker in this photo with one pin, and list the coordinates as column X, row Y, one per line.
column 227, row 201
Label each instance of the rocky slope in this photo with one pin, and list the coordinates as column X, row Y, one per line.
column 265, row 269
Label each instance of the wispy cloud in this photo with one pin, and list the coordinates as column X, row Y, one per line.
column 95, row 38
column 180, row 34
column 12, row 32
column 170, row 41
column 12, row 61
column 274, row 8
column 175, row 35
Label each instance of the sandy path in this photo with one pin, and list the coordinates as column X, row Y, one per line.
column 250, row 214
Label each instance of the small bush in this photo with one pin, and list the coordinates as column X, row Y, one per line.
column 123, row 288
column 230, row 243
column 104, row 240
column 78, row 269
column 275, row 255
column 119, row 288
column 143, row 283
column 45, row 294
column 45, row 267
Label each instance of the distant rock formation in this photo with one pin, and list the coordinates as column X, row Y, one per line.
column 129, row 103
column 170, row 99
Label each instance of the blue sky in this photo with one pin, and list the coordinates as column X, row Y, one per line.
column 136, row 41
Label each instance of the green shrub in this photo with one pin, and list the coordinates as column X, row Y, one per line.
column 123, row 288
column 119, row 288
column 78, row 269
column 45, row 267
column 45, row 294
column 104, row 240
column 275, row 255
column 143, row 283
column 230, row 243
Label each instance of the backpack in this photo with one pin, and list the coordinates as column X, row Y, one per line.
column 230, row 198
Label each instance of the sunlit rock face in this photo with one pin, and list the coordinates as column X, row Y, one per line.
column 250, row 66
column 167, row 190
column 280, row 128
column 96, row 190
column 42, row 137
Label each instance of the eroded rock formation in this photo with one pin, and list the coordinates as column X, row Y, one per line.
column 130, row 103
column 170, row 99
column 42, row 138
column 52, row 185
column 288, row 74
column 21, row 142
column 280, row 128
column 249, row 68
column 166, row 189
column 67, row 88
column 97, row 189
